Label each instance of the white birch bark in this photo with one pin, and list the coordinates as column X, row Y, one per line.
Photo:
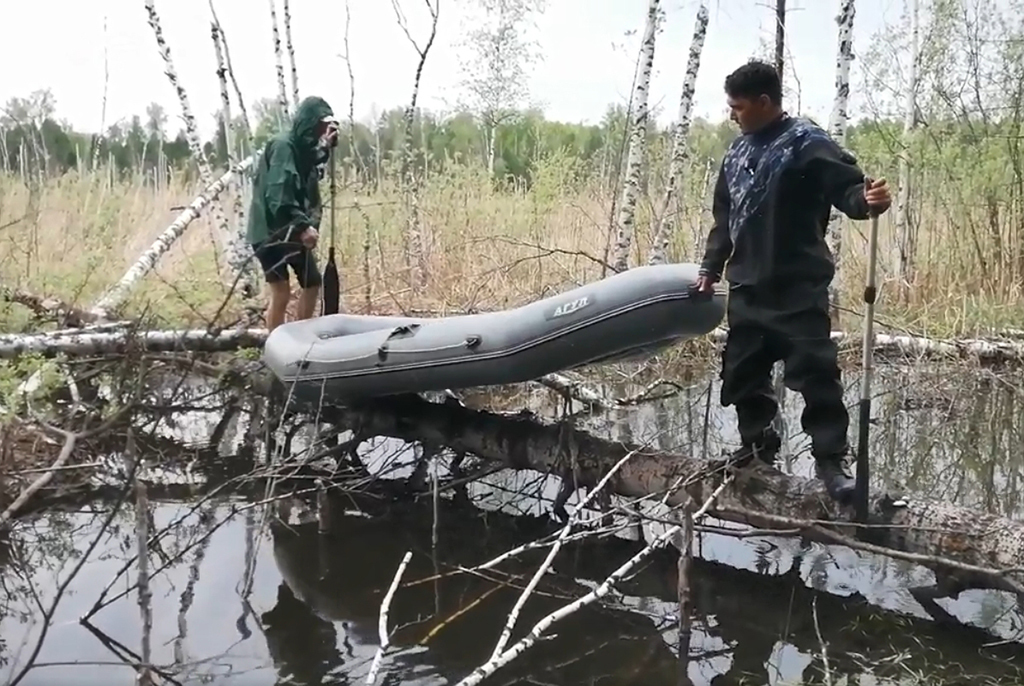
column 234, row 81
column 680, row 142
column 992, row 350
column 282, row 91
column 416, row 257
column 99, row 341
column 225, row 99
column 116, row 295
column 637, row 143
column 235, row 248
column 837, row 128
column 199, row 340
column 145, row 675
column 191, row 130
column 903, row 227
column 286, row 6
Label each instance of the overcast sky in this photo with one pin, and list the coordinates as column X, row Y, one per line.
column 588, row 56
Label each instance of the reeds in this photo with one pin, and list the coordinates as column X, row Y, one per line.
column 490, row 249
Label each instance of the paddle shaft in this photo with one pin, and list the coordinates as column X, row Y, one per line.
column 867, row 362
column 332, row 204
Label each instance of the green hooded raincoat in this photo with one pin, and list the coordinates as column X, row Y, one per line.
column 286, row 188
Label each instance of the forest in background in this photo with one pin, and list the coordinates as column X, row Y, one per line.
column 517, row 205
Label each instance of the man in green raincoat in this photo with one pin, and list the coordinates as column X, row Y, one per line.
column 285, row 212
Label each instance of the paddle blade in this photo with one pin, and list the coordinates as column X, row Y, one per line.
column 332, row 285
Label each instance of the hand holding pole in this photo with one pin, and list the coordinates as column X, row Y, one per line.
column 861, row 496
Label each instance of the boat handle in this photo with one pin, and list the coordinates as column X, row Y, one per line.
column 473, row 341
column 695, row 293
column 403, row 329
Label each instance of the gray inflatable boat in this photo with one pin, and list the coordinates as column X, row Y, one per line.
column 343, row 357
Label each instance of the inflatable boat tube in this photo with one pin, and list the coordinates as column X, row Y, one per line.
column 343, row 357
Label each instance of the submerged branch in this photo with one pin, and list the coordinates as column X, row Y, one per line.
column 58, row 464
column 47, row 621
column 974, row 548
column 145, row 596
column 545, row 566
column 382, row 629
column 498, row 661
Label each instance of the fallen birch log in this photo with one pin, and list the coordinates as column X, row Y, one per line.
column 1013, row 334
column 116, row 338
column 978, row 549
column 118, row 293
column 119, row 327
column 118, row 342
column 53, row 308
column 1000, row 350
column 110, row 339
column 199, row 340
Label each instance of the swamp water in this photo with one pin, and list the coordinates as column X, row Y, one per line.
column 232, row 605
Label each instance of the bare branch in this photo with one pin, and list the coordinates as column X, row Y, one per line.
column 385, row 605
column 494, row 664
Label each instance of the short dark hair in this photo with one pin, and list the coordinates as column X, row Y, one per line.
column 754, row 79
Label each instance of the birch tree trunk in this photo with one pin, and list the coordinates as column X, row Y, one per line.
column 416, row 257
column 234, row 81
column 837, row 128
column 680, row 141
column 225, row 99
column 637, row 143
column 903, row 224
column 492, row 136
column 191, row 130
column 116, row 336
column 119, row 342
column 780, row 37
column 286, row 5
column 282, row 90
column 235, row 248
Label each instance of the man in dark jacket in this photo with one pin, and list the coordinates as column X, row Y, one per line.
column 776, row 187
column 285, row 210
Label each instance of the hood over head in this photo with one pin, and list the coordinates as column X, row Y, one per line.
column 311, row 111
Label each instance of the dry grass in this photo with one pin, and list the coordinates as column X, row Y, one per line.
column 486, row 249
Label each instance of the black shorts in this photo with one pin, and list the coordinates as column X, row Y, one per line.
column 277, row 256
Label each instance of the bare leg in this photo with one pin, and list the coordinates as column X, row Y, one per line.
column 308, row 298
column 280, row 294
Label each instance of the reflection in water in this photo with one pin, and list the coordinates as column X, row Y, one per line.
column 303, row 645
column 953, row 436
column 938, row 430
column 315, row 599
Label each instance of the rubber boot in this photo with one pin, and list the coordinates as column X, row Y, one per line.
column 765, row 449
column 836, row 477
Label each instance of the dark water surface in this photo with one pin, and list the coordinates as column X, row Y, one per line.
column 237, row 603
